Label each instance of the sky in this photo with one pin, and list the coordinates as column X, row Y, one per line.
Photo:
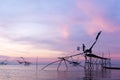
column 52, row 28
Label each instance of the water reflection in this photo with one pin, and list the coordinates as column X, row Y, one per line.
column 91, row 74
column 87, row 74
column 25, row 73
column 62, row 75
column 69, row 75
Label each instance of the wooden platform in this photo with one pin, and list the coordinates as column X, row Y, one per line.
column 117, row 68
column 96, row 56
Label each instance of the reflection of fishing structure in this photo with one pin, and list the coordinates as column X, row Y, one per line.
column 23, row 61
column 92, row 61
column 97, row 74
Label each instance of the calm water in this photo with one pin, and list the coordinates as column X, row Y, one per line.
column 17, row 72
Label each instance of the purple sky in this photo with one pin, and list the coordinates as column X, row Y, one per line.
column 52, row 28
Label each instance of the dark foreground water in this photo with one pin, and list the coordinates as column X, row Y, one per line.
column 19, row 72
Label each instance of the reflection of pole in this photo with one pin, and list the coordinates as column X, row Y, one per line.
column 37, row 68
column 90, row 63
column 88, row 73
column 36, row 63
column 102, row 64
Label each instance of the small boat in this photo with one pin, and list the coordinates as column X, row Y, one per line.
column 117, row 68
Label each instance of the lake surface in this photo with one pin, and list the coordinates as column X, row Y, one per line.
column 20, row 72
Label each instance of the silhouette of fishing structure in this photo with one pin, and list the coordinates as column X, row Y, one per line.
column 4, row 62
column 65, row 60
column 23, row 61
column 91, row 60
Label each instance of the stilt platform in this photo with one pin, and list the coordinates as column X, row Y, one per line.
column 117, row 68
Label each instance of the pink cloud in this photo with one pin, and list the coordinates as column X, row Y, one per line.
column 65, row 32
column 96, row 15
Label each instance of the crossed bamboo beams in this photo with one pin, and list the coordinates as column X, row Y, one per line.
column 61, row 59
column 65, row 60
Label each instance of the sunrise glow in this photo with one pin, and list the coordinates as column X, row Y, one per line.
column 49, row 29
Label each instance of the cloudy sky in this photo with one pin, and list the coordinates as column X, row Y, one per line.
column 52, row 28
